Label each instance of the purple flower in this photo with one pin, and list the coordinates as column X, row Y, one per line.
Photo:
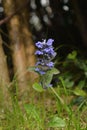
column 45, row 53
column 38, row 70
column 54, row 54
column 38, row 52
column 46, row 50
column 49, row 51
column 50, row 42
column 50, row 64
column 40, row 62
column 39, row 45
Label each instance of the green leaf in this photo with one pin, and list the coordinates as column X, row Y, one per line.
column 54, row 71
column 68, row 83
column 79, row 92
column 72, row 55
column 47, row 78
column 81, row 84
column 38, row 87
column 56, row 122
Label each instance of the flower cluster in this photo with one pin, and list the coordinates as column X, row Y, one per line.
column 45, row 53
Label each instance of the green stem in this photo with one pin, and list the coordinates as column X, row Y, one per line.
column 63, row 84
column 60, row 99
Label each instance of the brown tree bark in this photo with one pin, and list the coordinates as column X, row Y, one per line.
column 17, row 45
column 4, row 78
column 30, row 50
column 27, row 36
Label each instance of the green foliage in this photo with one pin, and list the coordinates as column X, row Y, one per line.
column 74, row 70
column 47, row 78
column 79, row 92
column 38, row 87
column 33, row 112
column 44, row 111
column 72, row 56
column 74, row 74
column 51, row 109
column 56, row 121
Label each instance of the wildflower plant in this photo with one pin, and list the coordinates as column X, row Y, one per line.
column 45, row 66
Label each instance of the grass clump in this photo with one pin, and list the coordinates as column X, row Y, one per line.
column 45, row 112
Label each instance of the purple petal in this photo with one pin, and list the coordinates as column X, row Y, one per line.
column 40, row 71
column 50, row 64
column 38, row 52
column 39, row 45
column 49, row 42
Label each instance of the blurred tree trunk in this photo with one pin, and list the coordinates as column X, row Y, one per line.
column 80, row 21
column 27, row 36
column 4, row 78
column 17, row 45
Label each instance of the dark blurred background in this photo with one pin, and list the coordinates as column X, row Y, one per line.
column 62, row 20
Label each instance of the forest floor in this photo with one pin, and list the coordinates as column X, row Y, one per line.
column 44, row 111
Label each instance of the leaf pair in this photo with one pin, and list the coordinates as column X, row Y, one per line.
column 45, row 80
